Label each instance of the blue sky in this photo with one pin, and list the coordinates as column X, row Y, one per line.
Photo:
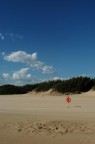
column 43, row 40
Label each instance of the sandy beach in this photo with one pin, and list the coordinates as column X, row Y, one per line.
column 47, row 118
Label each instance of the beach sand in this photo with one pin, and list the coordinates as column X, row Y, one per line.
column 46, row 118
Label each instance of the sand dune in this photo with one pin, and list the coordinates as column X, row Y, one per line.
column 46, row 118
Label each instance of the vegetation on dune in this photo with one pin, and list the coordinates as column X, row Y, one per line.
column 93, row 88
column 11, row 89
column 73, row 85
column 45, row 86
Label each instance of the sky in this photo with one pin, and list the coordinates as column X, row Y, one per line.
column 46, row 40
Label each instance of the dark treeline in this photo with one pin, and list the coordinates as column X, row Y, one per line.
column 11, row 89
column 73, row 85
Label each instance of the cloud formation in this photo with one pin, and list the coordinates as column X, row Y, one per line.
column 5, row 76
column 58, row 78
column 2, row 36
column 30, row 59
column 20, row 77
column 22, row 74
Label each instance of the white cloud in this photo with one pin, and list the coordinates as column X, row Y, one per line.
column 34, row 56
column 30, row 59
column 47, row 69
column 58, row 78
column 2, row 36
column 22, row 74
column 21, row 56
column 22, row 77
column 5, row 75
column 28, row 76
column 4, row 78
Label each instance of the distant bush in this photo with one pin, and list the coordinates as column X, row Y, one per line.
column 11, row 89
